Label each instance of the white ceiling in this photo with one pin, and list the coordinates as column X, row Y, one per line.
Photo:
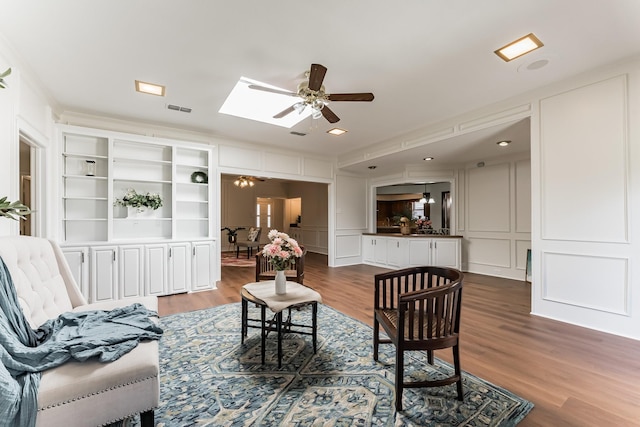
column 424, row 60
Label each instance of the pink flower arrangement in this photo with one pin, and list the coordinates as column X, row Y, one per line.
column 282, row 251
column 423, row 222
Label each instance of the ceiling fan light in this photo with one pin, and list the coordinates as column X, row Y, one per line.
column 299, row 107
column 316, row 114
column 317, row 104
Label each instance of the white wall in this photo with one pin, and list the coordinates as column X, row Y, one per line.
column 315, row 214
column 351, row 219
column 586, row 209
column 24, row 109
column 497, row 217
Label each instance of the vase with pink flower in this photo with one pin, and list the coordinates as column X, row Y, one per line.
column 281, row 252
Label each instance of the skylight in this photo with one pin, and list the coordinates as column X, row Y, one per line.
column 260, row 105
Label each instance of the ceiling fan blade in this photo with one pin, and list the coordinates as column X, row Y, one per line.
column 316, row 76
column 267, row 89
column 283, row 113
column 330, row 115
column 350, row 97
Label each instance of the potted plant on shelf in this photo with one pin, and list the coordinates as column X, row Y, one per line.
column 136, row 202
column 232, row 234
column 13, row 210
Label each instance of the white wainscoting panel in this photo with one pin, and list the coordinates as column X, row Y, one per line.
column 238, row 157
column 523, row 196
column 593, row 282
column 521, row 254
column 488, row 198
column 282, row 163
column 348, row 245
column 316, row 239
column 584, row 152
column 351, row 202
column 491, row 252
column 458, row 203
column 318, row 168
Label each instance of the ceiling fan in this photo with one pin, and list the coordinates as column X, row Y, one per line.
column 313, row 95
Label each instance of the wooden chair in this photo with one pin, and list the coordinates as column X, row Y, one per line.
column 253, row 241
column 419, row 309
column 294, row 273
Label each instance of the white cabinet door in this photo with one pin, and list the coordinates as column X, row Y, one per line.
column 179, row 268
column 78, row 260
column 380, row 250
column 203, row 266
column 397, row 252
column 446, row 253
column 368, row 249
column 155, row 269
column 104, row 267
column 419, row 252
column 131, row 271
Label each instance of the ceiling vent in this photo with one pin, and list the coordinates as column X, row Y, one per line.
column 297, row 133
column 179, row 108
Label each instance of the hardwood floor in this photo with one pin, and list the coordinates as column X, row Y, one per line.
column 574, row 376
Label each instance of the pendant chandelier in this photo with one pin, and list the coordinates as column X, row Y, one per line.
column 243, row 181
column 426, row 197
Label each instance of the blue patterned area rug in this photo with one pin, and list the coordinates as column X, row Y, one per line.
column 209, row 379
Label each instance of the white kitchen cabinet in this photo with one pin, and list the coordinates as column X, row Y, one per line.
column 203, row 265
column 397, row 252
column 368, row 255
column 104, row 273
column 156, row 260
column 410, row 251
column 130, row 271
column 419, row 252
column 179, row 268
column 78, row 260
column 374, row 249
column 380, row 250
column 446, row 253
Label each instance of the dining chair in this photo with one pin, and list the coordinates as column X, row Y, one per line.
column 253, row 241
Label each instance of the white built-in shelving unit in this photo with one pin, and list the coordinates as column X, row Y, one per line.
column 114, row 251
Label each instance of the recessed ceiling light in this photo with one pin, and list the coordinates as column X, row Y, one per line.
column 150, row 88
column 428, row 159
column 519, row 47
column 336, row 131
column 503, row 143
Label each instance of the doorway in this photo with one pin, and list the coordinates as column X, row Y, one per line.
column 27, row 184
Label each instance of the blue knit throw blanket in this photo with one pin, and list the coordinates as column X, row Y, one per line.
column 25, row 353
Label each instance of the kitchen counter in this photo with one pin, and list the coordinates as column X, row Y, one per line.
column 395, row 250
column 429, row 236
